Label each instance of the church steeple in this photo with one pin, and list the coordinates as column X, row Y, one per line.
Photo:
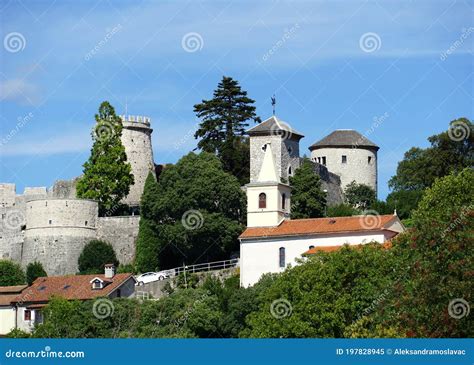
column 268, row 199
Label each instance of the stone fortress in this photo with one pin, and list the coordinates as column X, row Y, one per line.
column 53, row 226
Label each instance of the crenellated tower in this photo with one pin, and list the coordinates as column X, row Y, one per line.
column 136, row 138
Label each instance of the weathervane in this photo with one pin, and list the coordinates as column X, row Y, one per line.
column 273, row 103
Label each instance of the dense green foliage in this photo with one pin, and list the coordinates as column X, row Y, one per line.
column 34, row 270
column 307, row 198
column 107, row 174
column 95, row 255
column 196, row 213
column 224, row 119
column 360, row 195
column 147, row 249
column 450, row 151
column 11, row 273
column 341, row 210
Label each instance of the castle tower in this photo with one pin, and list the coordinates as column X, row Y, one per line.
column 285, row 146
column 136, row 138
column 268, row 200
column 57, row 231
column 348, row 154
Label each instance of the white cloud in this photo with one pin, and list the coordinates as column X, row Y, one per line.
column 19, row 90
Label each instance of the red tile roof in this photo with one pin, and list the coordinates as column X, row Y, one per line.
column 9, row 293
column 315, row 226
column 317, row 249
column 70, row 287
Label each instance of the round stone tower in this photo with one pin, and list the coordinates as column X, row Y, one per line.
column 348, row 154
column 136, row 138
column 56, row 232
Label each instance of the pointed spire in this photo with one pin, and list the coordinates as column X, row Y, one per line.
column 268, row 170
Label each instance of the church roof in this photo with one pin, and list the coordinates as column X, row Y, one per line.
column 276, row 126
column 344, row 138
column 268, row 171
column 314, row 250
column 315, row 226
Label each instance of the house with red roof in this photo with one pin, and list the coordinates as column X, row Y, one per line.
column 273, row 241
column 29, row 303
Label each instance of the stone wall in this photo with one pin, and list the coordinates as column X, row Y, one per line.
column 121, row 233
column 136, row 138
column 357, row 166
column 331, row 183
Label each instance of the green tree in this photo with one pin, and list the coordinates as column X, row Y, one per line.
column 450, row 151
column 224, row 119
column 307, row 198
column 11, row 273
column 360, row 195
column 107, row 174
column 324, row 295
column 197, row 213
column 95, row 255
column 342, row 210
column 147, row 251
column 34, row 270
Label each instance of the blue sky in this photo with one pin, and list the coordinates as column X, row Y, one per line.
column 332, row 65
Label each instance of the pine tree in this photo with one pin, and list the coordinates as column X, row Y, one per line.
column 307, row 198
column 107, row 174
column 224, row 120
column 146, row 257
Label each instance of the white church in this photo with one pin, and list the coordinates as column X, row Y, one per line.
column 272, row 240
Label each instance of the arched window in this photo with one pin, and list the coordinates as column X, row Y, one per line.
column 311, row 247
column 289, row 171
column 283, row 201
column 282, row 257
column 262, row 200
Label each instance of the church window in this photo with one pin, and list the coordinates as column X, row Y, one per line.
column 369, row 159
column 290, row 149
column 282, row 257
column 311, row 247
column 344, row 159
column 283, row 201
column 289, row 171
column 262, row 200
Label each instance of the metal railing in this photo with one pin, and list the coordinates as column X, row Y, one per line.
column 208, row 266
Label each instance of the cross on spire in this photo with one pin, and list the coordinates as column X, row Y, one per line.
column 273, row 103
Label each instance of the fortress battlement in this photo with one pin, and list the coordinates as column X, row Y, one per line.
column 136, row 119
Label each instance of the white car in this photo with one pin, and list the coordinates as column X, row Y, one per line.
column 149, row 277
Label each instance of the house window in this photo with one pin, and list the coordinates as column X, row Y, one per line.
column 323, row 160
column 283, row 201
column 282, row 257
column 344, row 159
column 27, row 315
column 369, row 159
column 97, row 284
column 38, row 317
column 119, row 293
column 262, row 200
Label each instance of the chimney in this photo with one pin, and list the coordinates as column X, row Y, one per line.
column 109, row 271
